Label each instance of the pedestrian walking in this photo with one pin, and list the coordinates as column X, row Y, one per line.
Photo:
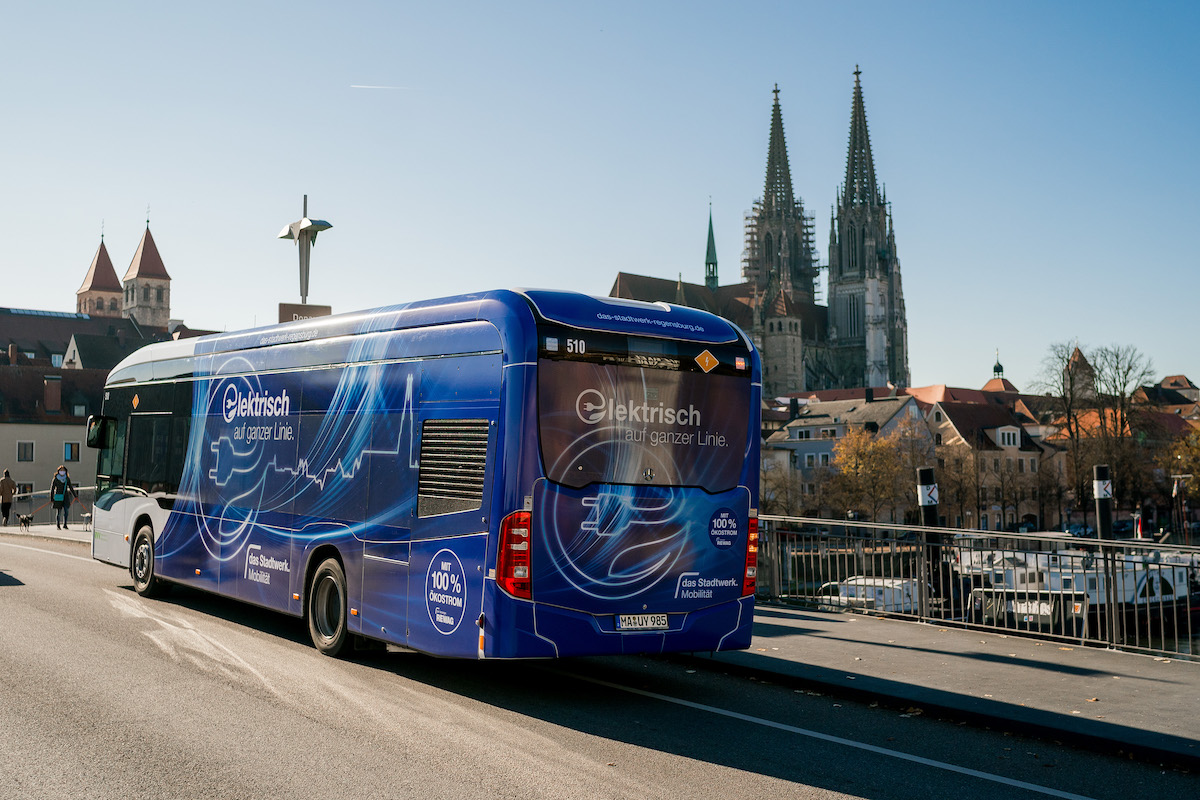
column 8, row 488
column 61, row 492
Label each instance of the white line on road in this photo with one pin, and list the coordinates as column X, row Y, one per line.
column 40, row 550
column 883, row 751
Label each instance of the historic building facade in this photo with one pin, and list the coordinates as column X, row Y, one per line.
column 860, row 338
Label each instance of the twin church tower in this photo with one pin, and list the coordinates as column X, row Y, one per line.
column 861, row 337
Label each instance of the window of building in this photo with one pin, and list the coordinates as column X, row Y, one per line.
column 1020, row 465
column 828, row 433
column 24, row 451
column 1033, row 465
column 25, row 488
column 995, row 465
column 801, row 433
column 159, row 296
column 937, row 438
column 112, row 304
column 810, row 460
column 70, row 451
column 56, row 359
column 824, row 459
column 146, row 294
column 937, row 416
column 996, row 495
column 79, row 410
column 812, row 488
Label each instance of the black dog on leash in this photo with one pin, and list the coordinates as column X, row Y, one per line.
column 25, row 521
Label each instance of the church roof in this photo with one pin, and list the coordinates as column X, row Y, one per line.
column 777, row 193
column 860, row 185
column 101, row 277
column 711, row 256
column 147, row 263
column 662, row 290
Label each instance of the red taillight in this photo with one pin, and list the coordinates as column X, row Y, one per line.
column 512, row 562
column 750, row 579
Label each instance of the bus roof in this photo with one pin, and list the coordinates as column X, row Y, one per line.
column 575, row 309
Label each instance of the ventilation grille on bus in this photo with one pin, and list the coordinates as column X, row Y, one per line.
column 453, row 456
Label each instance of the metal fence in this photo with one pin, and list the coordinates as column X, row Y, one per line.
column 1129, row 594
column 38, row 508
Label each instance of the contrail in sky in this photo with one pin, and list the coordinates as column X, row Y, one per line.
column 361, row 86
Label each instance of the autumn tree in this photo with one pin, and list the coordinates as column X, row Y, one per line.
column 868, row 471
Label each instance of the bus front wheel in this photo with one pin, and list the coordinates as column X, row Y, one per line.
column 141, row 565
column 327, row 608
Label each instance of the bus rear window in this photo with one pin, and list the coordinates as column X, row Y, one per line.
column 617, row 409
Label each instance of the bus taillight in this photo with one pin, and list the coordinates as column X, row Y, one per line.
column 750, row 578
column 512, row 562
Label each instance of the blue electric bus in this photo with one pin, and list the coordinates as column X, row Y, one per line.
column 509, row 474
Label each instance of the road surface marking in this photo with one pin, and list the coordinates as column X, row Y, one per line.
column 883, row 751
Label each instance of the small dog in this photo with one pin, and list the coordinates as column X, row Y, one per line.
column 25, row 521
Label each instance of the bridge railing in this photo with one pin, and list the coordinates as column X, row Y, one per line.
column 39, row 507
column 1130, row 594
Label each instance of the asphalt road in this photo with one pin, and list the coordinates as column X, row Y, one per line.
column 106, row 695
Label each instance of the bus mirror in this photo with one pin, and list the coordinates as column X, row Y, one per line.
column 98, row 429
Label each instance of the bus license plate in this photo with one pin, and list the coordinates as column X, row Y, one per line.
column 642, row 622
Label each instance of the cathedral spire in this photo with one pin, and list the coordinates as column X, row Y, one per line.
column 710, row 259
column 860, row 187
column 777, row 194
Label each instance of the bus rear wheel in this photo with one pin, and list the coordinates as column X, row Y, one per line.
column 327, row 608
column 141, row 565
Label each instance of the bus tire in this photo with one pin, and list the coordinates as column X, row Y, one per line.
column 141, row 565
column 327, row 608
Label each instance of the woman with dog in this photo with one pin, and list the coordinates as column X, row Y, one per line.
column 61, row 492
column 8, row 488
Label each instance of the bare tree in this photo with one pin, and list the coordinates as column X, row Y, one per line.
column 1068, row 376
column 958, row 480
column 1120, row 371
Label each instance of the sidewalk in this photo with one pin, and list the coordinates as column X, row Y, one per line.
column 75, row 533
column 1095, row 698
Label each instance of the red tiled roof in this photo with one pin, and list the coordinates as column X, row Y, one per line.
column 101, row 277
column 999, row 385
column 147, row 263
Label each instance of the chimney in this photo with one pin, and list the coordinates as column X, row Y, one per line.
column 52, row 393
column 870, row 394
column 793, row 408
column 12, row 354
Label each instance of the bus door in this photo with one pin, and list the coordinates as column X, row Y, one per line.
column 109, row 523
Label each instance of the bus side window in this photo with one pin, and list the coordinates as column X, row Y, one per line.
column 149, row 449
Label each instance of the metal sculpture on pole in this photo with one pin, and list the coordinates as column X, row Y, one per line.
column 304, row 231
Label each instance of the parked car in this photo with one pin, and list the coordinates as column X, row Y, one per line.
column 1079, row 529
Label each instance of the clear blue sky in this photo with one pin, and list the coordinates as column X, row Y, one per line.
column 1040, row 157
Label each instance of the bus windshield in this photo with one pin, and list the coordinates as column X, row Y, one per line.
column 614, row 408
